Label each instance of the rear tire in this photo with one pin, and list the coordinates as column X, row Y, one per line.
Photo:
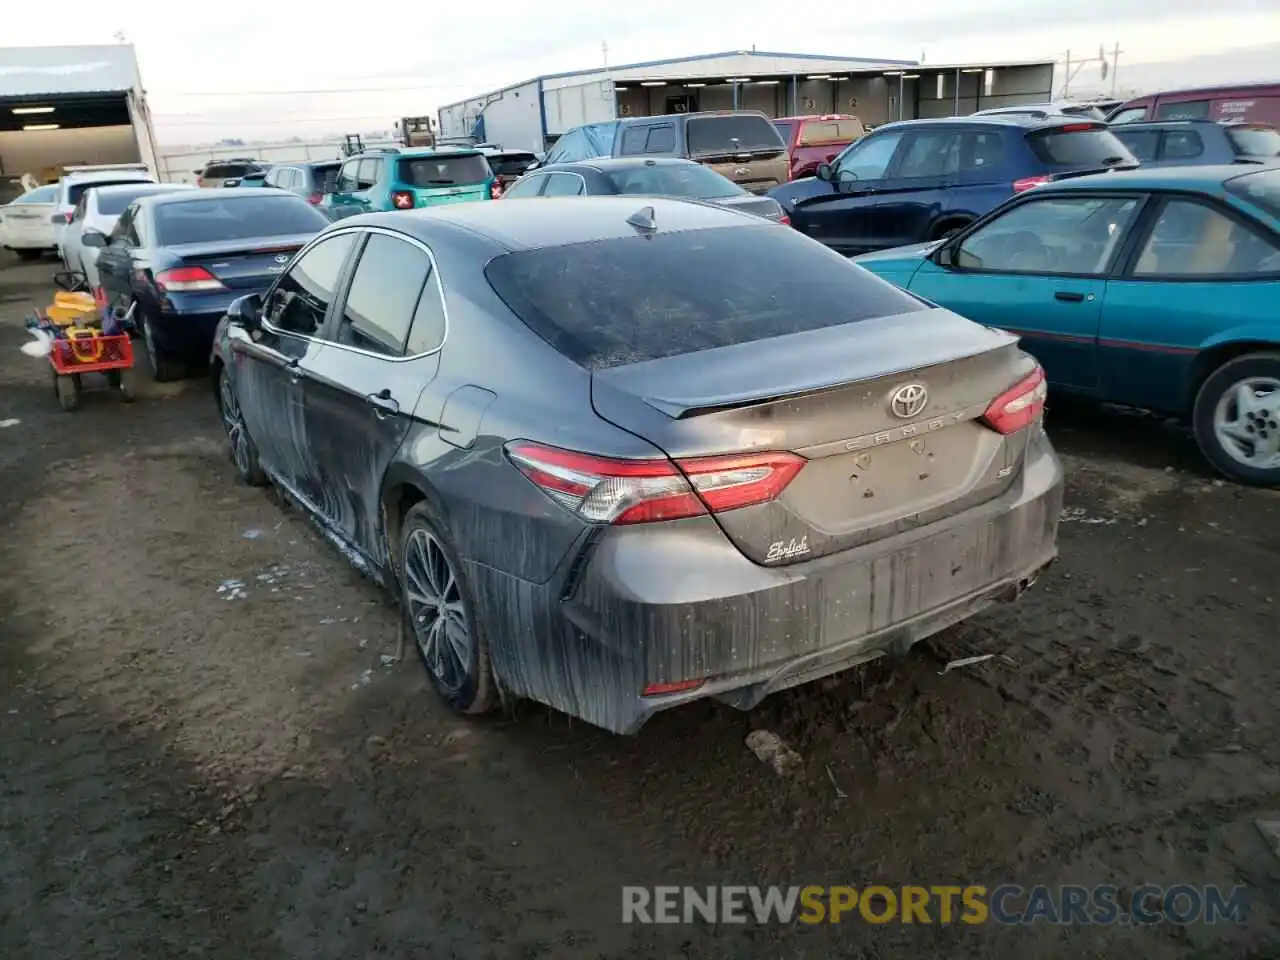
column 68, row 390
column 439, row 615
column 1236, row 419
column 163, row 367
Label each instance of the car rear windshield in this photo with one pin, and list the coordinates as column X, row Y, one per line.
column 830, row 131
column 1261, row 189
column 511, row 164
column 674, row 180
column 76, row 190
column 727, row 135
column 597, row 304
column 209, row 221
column 46, row 194
column 1255, row 141
column 443, row 171
column 113, row 203
column 1078, row 145
column 223, row 171
column 784, row 129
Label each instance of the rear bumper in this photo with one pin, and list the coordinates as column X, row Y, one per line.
column 650, row 606
column 185, row 329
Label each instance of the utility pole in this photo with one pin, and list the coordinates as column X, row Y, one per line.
column 1115, row 66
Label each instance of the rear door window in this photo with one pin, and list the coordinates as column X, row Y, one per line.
column 1181, row 145
column 383, row 296
column 731, row 134
column 442, row 171
column 932, row 154
column 368, row 172
column 1186, row 110
column 633, row 141
column 1143, row 144
column 212, row 221
column 1082, row 145
column 564, row 185
column 597, row 303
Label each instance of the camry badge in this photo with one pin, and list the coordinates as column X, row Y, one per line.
column 909, row 400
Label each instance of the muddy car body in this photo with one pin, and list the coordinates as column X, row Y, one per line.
column 778, row 474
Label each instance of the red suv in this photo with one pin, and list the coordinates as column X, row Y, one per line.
column 816, row 139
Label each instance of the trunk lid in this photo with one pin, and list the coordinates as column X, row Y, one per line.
column 828, row 395
column 249, row 264
column 757, row 173
column 761, row 206
column 434, row 196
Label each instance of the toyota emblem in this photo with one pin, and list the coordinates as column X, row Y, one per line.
column 909, row 401
column 742, row 171
column 282, row 258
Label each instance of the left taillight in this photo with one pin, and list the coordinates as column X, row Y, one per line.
column 607, row 490
column 188, row 280
column 784, row 220
column 402, row 199
column 315, row 199
column 495, row 190
column 1020, row 405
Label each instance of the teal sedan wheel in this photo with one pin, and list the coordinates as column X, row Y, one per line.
column 1237, row 419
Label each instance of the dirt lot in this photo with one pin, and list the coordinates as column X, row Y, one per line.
column 196, row 771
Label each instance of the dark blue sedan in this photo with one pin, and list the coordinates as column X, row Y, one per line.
column 178, row 259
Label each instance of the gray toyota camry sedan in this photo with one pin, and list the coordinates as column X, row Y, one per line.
column 615, row 454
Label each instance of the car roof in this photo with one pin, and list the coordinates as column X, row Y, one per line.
column 556, row 221
column 815, row 116
column 131, row 187
column 1198, row 122
column 445, row 151
column 1209, row 178
column 609, row 164
column 1026, row 121
column 235, row 196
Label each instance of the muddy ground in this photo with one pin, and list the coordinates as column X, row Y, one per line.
column 188, row 772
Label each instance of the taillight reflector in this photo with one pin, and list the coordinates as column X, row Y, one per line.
column 1026, row 183
column 187, row 280
column 606, row 490
column 402, row 200
column 1020, row 405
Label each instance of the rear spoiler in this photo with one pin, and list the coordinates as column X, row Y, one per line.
column 93, row 167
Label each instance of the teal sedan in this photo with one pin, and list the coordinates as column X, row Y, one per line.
column 1151, row 288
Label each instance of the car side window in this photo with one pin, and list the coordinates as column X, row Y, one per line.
column 868, row 159
column 525, row 187
column 1132, row 115
column 634, row 139
column 1181, row 145
column 661, row 138
column 1143, row 144
column 1187, row 110
column 428, row 330
column 299, row 301
column 1190, row 240
column 564, row 185
column 347, row 177
column 567, row 148
column 384, row 293
column 981, row 153
column 1052, row 236
column 931, row 154
column 367, row 177
column 123, row 229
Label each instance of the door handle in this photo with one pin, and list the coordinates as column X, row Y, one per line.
column 383, row 403
column 295, row 372
column 1069, row 297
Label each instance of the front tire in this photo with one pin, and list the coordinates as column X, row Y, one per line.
column 439, row 613
column 1236, row 419
column 244, row 454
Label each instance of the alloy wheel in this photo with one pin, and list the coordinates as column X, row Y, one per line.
column 233, row 420
column 1246, row 422
column 436, row 610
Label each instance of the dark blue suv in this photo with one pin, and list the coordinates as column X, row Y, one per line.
column 920, row 180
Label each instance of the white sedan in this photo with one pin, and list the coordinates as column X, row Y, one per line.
column 98, row 209
column 26, row 223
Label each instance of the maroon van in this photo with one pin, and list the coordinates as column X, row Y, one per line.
column 1253, row 102
column 815, row 139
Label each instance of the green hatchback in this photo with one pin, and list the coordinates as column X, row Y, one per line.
column 380, row 180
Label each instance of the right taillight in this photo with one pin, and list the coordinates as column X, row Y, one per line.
column 1026, row 183
column 315, row 199
column 402, row 199
column 1020, row 405
column 607, row 490
column 188, row 280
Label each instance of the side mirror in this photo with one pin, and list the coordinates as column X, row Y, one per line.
column 246, row 312
column 94, row 238
column 824, row 172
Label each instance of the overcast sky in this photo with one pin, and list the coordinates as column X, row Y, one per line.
column 411, row 59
